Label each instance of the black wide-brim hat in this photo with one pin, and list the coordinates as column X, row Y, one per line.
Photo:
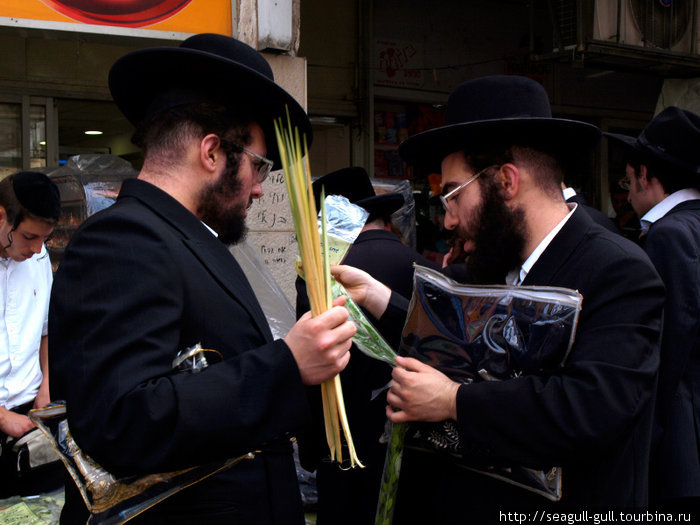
column 672, row 137
column 354, row 184
column 205, row 68
column 495, row 111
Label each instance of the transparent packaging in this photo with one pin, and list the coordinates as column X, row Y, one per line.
column 487, row 333
column 479, row 333
column 344, row 222
column 111, row 500
column 405, row 217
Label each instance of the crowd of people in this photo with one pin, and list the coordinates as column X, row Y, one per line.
column 152, row 275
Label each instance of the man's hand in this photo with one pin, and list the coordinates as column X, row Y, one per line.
column 420, row 393
column 320, row 344
column 42, row 397
column 13, row 424
column 364, row 289
column 456, row 253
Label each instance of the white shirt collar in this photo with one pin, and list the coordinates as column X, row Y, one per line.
column 666, row 205
column 568, row 193
column 517, row 276
column 210, row 229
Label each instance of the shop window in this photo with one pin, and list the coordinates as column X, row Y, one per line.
column 24, row 141
column 10, row 138
column 37, row 136
column 394, row 123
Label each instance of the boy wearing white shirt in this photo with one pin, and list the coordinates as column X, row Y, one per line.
column 29, row 210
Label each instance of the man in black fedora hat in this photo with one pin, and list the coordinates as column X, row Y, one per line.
column 501, row 154
column 29, row 209
column 663, row 177
column 152, row 276
column 350, row 496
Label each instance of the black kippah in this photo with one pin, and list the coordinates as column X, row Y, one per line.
column 37, row 193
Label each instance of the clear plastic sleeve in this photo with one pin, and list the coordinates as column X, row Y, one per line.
column 487, row 333
column 278, row 310
column 405, row 217
column 344, row 223
column 111, row 500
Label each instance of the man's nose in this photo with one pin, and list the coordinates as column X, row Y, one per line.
column 450, row 221
column 257, row 190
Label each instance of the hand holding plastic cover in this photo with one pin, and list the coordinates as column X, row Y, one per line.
column 111, row 500
column 487, row 333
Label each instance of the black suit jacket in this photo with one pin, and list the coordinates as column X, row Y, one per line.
column 595, row 214
column 139, row 282
column 592, row 417
column 673, row 245
column 350, row 497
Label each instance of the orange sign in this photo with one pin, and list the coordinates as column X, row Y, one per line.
column 185, row 16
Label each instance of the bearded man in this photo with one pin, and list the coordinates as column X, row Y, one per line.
column 152, row 276
column 500, row 155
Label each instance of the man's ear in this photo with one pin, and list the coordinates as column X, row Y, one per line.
column 508, row 177
column 643, row 176
column 210, row 152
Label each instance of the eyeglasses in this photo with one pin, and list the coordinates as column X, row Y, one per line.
column 445, row 199
column 262, row 164
column 624, row 183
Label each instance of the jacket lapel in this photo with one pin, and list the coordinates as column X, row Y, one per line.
column 219, row 261
column 213, row 254
column 560, row 250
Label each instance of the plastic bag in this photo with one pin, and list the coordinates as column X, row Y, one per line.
column 487, row 333
column 100, row 175
column 279, row 312
column 405, row 217
column 367, row 338
column 345, row 222
column 112, row 500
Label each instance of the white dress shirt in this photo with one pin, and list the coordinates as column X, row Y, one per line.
column 24, row 313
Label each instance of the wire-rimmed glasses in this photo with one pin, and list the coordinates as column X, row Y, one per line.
column 445, row 199
column 262, row 165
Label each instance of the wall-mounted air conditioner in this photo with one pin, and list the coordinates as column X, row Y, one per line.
column 656, row 36
column 664, row 25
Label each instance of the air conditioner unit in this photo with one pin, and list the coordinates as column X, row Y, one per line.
column 655, row 36
column 662, row 25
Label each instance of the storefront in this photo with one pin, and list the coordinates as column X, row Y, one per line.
column 55, row 103
column 607, row 63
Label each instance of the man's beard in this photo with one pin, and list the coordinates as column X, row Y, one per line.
column 499, row 238
column 226, row 220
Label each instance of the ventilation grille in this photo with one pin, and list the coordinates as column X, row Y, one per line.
column 662, row 23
